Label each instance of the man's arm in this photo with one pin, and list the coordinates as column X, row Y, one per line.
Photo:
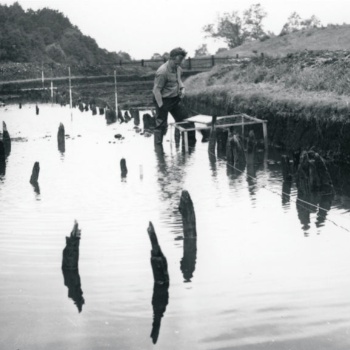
column 159, row 83
column 181, row 84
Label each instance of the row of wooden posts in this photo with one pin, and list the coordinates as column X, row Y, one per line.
column 159, row 264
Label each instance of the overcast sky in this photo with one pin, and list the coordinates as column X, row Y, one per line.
column 144, row 27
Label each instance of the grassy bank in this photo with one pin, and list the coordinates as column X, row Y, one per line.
column 304, row 100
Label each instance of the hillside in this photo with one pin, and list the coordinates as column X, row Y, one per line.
column 47, row 36
column 332, row 37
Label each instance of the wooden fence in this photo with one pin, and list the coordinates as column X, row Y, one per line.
column 189, row 63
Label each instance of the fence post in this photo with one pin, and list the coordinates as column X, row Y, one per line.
column 212, row 61
column 142, row 63
column 189, row 63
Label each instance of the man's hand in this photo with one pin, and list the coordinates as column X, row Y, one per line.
column 182, row 93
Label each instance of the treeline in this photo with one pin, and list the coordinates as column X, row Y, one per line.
column 47, row 36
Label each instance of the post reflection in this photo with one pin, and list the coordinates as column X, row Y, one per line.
column 251, row 173
column 2, row 158
column 188, row 261
column 36, row 187
column 170, row 179
column 309, row 203
column 72, row 281
column 160, row 301
column 2, row 167
column 286, row 191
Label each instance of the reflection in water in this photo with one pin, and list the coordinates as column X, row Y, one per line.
column 308, row 203
column 2, row 167
column 72, row 281
column 36, row 187
column 188, row 261
column 160, row 301
column 2, row 158
column 325, row 203
column 212, row 163
column 235, row 171
column 251, row 173
column 286, row 190
column 171, row 171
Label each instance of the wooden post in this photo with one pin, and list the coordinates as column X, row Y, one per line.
column 229, row 149
column 51, row 88
column 212, row 137
column 115, row 91
column 185, row 135
column 61, row 138
column 35, row 173
column 188, row 215
column 188, row 261
column 265, row 134
column 142, row 63
column 212, row 60
column 70, row 90
column 243, row 130
column 70, row 256
column 6, row 139
column 160, row 301
column 72, row 282
column 158, row 260
column 313, row 175
column 2, row 159
column 177, row 136
column 135, row 113
column 251, row 141
column 120, row 115
column 286, row 169
column 123, row 168
column 127, row 117
column 221, row 141
column 37, row 109
column 189, row 63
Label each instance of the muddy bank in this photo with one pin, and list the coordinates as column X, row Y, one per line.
column 293, row 124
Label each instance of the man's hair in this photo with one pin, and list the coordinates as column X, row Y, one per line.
column 178, row 51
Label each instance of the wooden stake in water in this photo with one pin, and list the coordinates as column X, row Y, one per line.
column 42, row 74
column 51, row 91
column 115, row 91
column 70, row 92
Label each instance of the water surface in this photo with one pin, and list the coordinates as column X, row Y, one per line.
column 263, row 273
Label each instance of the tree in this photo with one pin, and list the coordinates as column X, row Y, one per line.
column 202, row 51
column 312, row 22
column 228, row 28
column 221, row 49
column 295, row 23
column 235, row 30
column 156, row 56
column 252, row 19
column 124, row 56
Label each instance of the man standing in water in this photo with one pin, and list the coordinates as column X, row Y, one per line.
column 168, row 91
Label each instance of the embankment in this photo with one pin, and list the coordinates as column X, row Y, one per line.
column 297, row 118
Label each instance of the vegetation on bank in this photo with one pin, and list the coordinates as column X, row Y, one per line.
column 304, row 97
column 47, row 36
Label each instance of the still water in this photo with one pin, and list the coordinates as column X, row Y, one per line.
column 263, row 272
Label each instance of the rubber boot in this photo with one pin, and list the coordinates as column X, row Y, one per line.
column 158, row 137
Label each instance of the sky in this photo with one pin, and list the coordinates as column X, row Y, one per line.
column 144, row 27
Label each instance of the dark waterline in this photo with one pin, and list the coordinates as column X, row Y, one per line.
column 265, row 271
